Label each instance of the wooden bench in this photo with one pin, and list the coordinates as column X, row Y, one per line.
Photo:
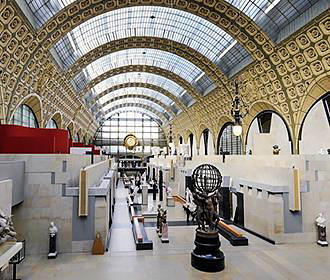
column 228, row 228
column 140, row 236
column 137, row 230
column 179, row 199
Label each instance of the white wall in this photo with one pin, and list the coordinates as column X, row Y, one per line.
column 262, row 143
column 6, row 196
column 315, row 131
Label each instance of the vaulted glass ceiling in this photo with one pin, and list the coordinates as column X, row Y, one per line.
column 134, row 111
column 142, row 77
column 141, row 56
column 162, row 22
column 139, row 91
column 127, row 105
column 136, row 101
column 270, row 15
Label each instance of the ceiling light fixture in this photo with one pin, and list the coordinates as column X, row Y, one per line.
column 239, row 111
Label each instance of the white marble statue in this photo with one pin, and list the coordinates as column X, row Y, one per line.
column 135, row 196
column 144, row 178
column 52, row 229
column 184, row 150
column 190, row 201
column 320, row 220
column 7, row 231
column 52, row 254
column 169, row 191
column 322, row 151
column 322, row 230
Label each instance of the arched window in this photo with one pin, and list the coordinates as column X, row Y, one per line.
column 180, row 140
column 191, row 141
column 314, row 134
column 76, row 138
column 110, row 136
column 228, row 142
column 206, row 141
column 51, row 124
column 24, row 116
column 69, row 133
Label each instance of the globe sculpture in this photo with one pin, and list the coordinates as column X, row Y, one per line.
column 205, row 188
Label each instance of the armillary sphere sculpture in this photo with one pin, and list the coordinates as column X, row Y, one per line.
column 205, row 188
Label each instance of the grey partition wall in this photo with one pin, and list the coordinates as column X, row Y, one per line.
column 14, row 170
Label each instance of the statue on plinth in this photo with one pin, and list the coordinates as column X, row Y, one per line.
column 164, row 227
column 159, row 214
column 205, row 189
column 135, row 194
column 190, row 206
column 52, row 241
column 322, row 230
column 7, row 230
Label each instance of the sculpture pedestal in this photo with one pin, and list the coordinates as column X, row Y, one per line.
column 322, row 234
column 207, row 255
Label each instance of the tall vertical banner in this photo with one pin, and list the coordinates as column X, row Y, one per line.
column 83, row 194
column 294, row 191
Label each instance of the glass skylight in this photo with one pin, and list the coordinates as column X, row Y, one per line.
column 135, row 110
column 134, row 101
column 180, row 26
column 142, row 77
column 150, row 57
column 126, row 106
column 272, row 15
column 139, row 91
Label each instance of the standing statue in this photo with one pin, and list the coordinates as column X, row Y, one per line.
column 52, row 241
column 144, row 178
column 205, row 189
column 322, row 230
column 164, row 226
column 160, row 210
column 7, row 230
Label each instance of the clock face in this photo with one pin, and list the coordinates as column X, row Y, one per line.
column 130, row 141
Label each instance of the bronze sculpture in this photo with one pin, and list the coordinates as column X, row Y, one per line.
column 205, row 189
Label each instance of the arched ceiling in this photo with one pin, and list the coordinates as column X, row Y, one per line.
column 152, row 79
column 147, row 92
column 180, row 26
column 139, row 56
column 192, row 93
column 138, row 110
column 138, row 87
column 145, row 107
column 98, row 45
column 164, row 44
column 138, row 98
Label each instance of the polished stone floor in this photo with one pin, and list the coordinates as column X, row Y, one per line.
column 259, row 260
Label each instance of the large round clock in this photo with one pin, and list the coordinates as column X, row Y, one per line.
column 130, row 141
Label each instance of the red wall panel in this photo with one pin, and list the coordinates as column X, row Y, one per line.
column 25, row 140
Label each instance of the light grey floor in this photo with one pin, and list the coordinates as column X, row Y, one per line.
column 259, row 260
